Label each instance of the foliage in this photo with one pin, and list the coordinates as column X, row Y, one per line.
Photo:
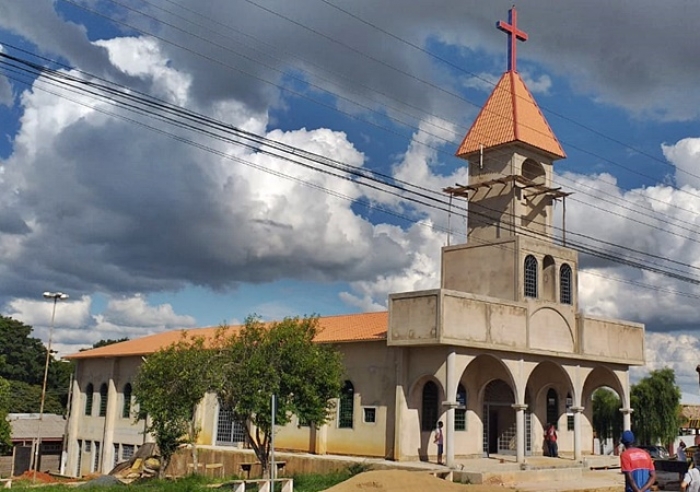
column 23, row 357
column 656, row 402
column 278, row 359
column 5, row 429
column 26, row 398
column 168, row 387
column 22, row 362
column 104, row 343
column 607, row 419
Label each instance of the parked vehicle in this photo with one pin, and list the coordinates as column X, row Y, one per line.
column 656, row 452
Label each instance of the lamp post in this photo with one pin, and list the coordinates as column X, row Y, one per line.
column 56, row 296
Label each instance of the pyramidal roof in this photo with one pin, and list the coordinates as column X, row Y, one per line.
column 510, row 115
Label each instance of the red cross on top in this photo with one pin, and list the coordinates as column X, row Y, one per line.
column 514, row 34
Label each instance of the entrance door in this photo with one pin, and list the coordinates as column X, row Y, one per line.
column 499, row 419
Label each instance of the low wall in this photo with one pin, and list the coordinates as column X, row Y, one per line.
column 295, row 463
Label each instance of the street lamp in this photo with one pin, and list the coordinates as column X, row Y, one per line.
column 56, row 296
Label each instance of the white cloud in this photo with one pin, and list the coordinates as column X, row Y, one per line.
column 685, row 156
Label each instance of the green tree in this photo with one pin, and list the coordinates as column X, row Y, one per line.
column 277, row 359
column 168, row 387
column 23, row 357
column 104, row 342
column 22, row 362
column 26, row 398
column 5, row 428
column 656, row 403
column 607, row 419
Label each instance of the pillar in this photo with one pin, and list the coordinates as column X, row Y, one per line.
column 75, row 412
column 577, row 432
column 450, row 403
column 107, row 461
column 520, row 431
column 626, row 418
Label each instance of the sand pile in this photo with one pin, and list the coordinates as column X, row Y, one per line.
column 406, row 481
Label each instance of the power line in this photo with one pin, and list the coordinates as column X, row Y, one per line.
column 173, row 109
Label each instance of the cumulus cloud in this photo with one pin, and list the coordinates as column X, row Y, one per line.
column 685, row 156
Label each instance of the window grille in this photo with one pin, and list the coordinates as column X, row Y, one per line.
column 89, row 395
column 345, row 408
column 229, row 432
column 127, row 451
column 552, row 407
column 126, row 409
column 103, row 400
column 565, row 284
column 530, row 276
column 370, row 415
column 429, row 407
column 461, row 410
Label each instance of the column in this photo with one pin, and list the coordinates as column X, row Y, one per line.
column 520, row 431
column 75, row 412
column 450, row 403
column 321, row 441
column 577, row 432
column 109, row 425
column 626, row 418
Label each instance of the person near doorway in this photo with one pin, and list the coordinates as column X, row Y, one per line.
column 440, row 441
column 637, row 465
column 550, row 437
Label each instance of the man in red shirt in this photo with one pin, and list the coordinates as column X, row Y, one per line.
column 637, row 466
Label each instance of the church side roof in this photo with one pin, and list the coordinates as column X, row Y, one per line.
column 332, row 329
column 510, row 115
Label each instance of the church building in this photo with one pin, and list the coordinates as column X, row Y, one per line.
column 499, row 350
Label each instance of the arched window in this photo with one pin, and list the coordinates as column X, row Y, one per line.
column 126, row 409
column 552, row 407
column 530, row 276
column 345, row 408
column 103, row 400
column 533, row 171
column 89, row 395
column 429, row 406
column 565, row 284
column 461, row 410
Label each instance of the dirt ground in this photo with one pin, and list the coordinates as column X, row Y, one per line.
column 406, row 481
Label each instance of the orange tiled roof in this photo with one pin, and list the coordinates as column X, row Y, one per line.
column 510, row 115
column 332, row 329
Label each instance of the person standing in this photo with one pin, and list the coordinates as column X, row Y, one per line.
column 637, row 465
column 680, row 454
column 550, row 435
column 440, row 441
column 691, row 480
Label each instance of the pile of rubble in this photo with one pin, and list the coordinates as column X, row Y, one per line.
column 145, row 463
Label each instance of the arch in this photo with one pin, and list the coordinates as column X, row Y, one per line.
column 89, row 397
column 602, row 376
column 530, row 276
column 534, row 171
column 103, row 399
column 549, row 279
column 565, row 285
column 430, row 406
column 126, row 408
column 346, row 406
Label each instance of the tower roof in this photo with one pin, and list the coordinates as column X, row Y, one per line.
column 510, row 115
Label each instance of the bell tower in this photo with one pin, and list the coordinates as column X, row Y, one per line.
column 510, row 149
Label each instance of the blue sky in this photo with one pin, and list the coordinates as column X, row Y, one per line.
column 147, row 233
